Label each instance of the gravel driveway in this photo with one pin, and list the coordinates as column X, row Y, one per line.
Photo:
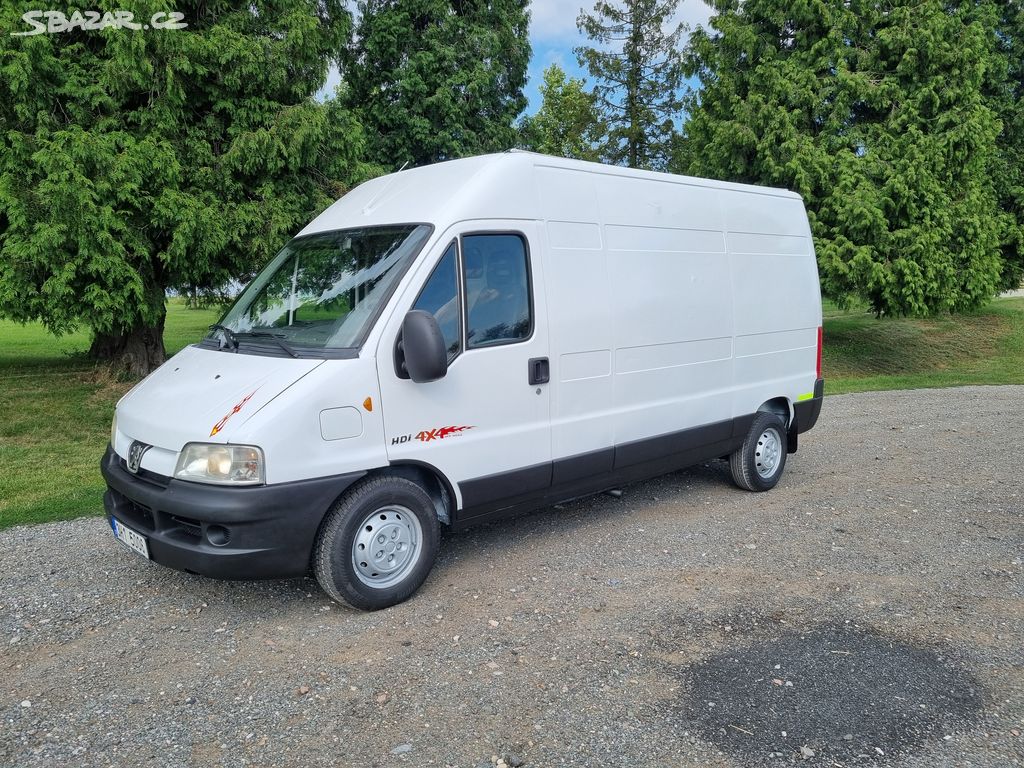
column 868, row 611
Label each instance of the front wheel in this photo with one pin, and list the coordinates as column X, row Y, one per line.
column 757, row 465
column 378, row 543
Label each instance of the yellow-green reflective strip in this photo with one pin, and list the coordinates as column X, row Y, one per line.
column 805, row 396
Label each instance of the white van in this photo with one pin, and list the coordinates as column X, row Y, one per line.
column 460, row 342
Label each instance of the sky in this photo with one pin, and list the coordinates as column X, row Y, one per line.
column 553, row 35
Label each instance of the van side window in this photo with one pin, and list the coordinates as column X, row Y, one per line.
column 497, row 290
column 440, row 297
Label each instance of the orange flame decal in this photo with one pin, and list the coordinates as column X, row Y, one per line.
column 238, row 406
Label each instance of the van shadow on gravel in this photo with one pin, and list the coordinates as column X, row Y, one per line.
column 848, row 695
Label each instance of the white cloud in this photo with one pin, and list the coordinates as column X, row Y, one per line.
column 552, row 20
column 694, row 13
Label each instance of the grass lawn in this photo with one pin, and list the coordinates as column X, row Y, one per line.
column 984, row 347
column 55, row 412
column 56, row 406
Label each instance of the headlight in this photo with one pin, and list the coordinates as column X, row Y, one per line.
column 216, row 463
column 113, row 430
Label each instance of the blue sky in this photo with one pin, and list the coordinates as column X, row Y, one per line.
column 553, row 35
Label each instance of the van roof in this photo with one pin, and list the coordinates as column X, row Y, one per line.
column 501, row 185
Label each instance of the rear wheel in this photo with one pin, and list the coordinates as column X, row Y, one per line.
column 757, row 465
column 378, row 543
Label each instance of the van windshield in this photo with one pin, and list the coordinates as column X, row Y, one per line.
column 322, row 291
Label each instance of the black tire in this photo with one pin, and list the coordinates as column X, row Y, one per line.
column 375, row 508
column 757, row 465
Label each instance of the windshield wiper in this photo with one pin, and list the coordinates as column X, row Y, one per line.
column 274, row 337
column 229, row 335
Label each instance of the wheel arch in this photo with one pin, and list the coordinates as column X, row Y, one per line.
column 430, row 479
column 780, row 406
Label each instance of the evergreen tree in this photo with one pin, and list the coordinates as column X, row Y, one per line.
column 639, row 75
column 771, row 108
column 437, row 79
column 875, row 113
column 133, row 161
column 1007, row 99
column 567, row 123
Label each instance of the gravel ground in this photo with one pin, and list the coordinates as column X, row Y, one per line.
column 883, row 577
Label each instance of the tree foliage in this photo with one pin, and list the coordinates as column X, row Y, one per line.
column 567, row 123
column 874, row 111
column 1006, row 93
column 437, row 79
column 134, row 161
column 638, row 73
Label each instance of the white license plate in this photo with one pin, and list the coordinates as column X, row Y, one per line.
column 132, row 539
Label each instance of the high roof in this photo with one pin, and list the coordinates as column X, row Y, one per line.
column 487, row 186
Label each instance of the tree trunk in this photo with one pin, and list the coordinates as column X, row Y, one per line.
column 136, row 352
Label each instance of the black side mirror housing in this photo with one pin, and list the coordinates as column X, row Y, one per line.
column 422, row 354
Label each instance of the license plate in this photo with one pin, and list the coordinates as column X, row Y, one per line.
column 130, row 538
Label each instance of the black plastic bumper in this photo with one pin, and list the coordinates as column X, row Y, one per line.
column 261, row 532
column 806, row 412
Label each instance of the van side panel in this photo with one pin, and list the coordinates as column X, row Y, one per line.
column 677, row 308
column 579, row 304
column 671, row 310
column 774, row 282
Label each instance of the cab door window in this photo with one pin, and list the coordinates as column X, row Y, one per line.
column 497, row 286
column 440, row 297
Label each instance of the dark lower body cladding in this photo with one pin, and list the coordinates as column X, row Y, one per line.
column 510, row 493
column 806, row 412
column 258, row 532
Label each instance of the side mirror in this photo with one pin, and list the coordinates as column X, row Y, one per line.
column 422, row 354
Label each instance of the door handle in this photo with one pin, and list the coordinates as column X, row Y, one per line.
column 540, row 370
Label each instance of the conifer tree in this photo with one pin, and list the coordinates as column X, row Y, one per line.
column 638, row 72
column 1007, row 99
column 873, row 111
column 137, row 160
column 437, row 79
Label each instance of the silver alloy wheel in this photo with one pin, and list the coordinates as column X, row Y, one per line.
column 768, row 452
column 387, row 546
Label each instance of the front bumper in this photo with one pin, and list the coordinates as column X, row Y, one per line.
column 261, row 532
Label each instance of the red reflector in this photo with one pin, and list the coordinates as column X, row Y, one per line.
column 818, row 375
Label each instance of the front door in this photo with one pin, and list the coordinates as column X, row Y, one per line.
column 486, row 424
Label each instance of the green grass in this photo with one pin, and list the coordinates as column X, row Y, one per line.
column 55, row 412
column 56, row 406
column 983, row 347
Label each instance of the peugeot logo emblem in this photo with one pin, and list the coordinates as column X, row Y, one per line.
column 135, row 453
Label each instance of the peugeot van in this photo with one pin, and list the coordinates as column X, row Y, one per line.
column 456, row 343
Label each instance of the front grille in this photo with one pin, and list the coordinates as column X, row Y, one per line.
column 132, row 513
column 145, row 514
column 188, row 526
